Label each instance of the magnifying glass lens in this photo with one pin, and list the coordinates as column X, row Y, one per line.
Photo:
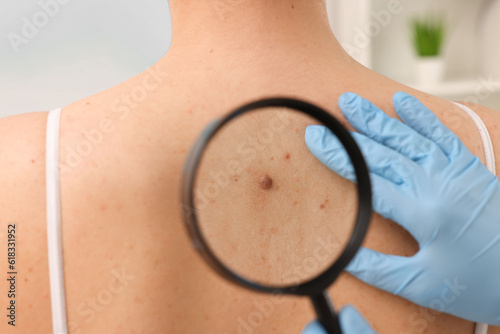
column 266, row 207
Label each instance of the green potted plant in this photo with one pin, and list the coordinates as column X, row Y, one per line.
column 428, row 34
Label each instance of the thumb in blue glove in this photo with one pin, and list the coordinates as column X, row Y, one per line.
column 351, row 322
column 424, row 178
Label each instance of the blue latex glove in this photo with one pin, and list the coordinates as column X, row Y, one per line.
column 425, row 179
column 351, row 322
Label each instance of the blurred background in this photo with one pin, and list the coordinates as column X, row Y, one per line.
column 79, row 48
column 83, row 48
column 381, row 35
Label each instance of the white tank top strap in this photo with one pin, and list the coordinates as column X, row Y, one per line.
column 481, row 329
column 489, row 155
column 54, row 240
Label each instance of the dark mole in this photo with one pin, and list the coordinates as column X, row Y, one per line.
column 322, row 206
column 287, row 156
column 265, row 182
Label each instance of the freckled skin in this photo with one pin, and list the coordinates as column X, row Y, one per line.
column 265, row 182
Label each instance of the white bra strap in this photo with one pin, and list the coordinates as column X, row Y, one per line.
column 489, row 154
column 481, row 329
column 54, row 240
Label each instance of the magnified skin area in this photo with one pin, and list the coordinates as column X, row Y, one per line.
column 267, row 231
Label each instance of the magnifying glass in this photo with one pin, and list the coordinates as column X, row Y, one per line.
column 265, row 213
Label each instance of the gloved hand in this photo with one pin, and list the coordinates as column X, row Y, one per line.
column 351, row 322
column 425, row 179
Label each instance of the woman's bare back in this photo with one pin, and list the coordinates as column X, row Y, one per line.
column 128, row 263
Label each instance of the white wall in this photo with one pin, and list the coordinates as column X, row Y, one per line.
column 346, row 17
column 83, row 48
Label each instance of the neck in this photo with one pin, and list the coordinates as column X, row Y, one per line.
column 251, row 32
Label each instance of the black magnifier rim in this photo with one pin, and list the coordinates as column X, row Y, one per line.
column 323, row 280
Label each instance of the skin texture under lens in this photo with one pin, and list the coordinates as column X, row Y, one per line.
column 259, row 226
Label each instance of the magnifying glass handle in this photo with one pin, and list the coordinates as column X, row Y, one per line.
column 325, row 312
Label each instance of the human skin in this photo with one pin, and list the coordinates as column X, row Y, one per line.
column 120, row 199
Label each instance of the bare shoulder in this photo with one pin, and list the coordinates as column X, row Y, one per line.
column 490, row 117
column 22, row 149
column 22, row 166
column 22, row 204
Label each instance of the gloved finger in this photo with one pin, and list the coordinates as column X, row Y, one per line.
column 315, row 328
column 369, row 120
column 328, row 149
column 423, row 120
column 351, row 321
column 386, row 272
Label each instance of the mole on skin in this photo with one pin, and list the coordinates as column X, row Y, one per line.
column 265, row 182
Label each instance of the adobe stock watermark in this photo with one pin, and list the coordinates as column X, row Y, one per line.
column 322, row 254
column 224, row 8
column 380, row 20
column 450, row 292
column 328, row 248
column 88, row 309
column 121, row 110
column 486, row 86
column 248, row 150
column 31, row 25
